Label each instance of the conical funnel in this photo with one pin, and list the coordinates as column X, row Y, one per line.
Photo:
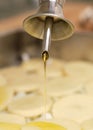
column 61, row 27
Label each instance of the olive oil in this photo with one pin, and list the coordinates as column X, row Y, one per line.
column 45, row 57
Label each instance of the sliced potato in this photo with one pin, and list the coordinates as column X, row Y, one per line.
column 47, row 126
column 87, row 125
column 9, row 126
column 59, row 87
column 6, row 95
column 29, row 105
column 79, row 68
column 11, row 118
column 30, row 128
column 76, row 107
column 68, row 124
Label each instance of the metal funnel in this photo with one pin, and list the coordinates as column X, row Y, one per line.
column 61, row 27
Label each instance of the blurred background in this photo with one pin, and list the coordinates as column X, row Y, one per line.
column 13, row 7
column 17, row 46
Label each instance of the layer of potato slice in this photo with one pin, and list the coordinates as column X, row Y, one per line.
column 9, row 126
column 6, row 95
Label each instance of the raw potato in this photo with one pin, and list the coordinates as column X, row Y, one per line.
column 55, row 68
column 11, row 118
column 55, row 62
column 24, row 84
column 63, row 79
column 6, row 95
column 3, row 80
column 46, row 125
column 87, row 125
column 9, row 126
column 63, row 86
column 76, row 107
column 89, row 87
column 68, row 124
column 20, row 81
column 30, row 128
column 80, row 69
column 30, row 105
column 35, row 66
column 32, row 66
column 11, row 73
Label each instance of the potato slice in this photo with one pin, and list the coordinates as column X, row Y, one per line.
column 47, row 126
column 12, row 118
column 30, row 128
column 89, row 87
column 87, row 125
column 3, row 80
column 63, row 86
column 29, row 105
column 9, row 126
column 6, row 95
column 76, row 107
column 79, row 68
column 68, row 124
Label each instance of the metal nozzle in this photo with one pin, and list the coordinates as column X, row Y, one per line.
column 47, row 34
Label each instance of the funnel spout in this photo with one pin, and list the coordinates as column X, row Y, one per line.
column 47, row 34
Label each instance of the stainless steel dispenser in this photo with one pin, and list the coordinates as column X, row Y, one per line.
column 48, row 23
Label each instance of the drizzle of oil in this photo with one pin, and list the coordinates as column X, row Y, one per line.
column 45, row 57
